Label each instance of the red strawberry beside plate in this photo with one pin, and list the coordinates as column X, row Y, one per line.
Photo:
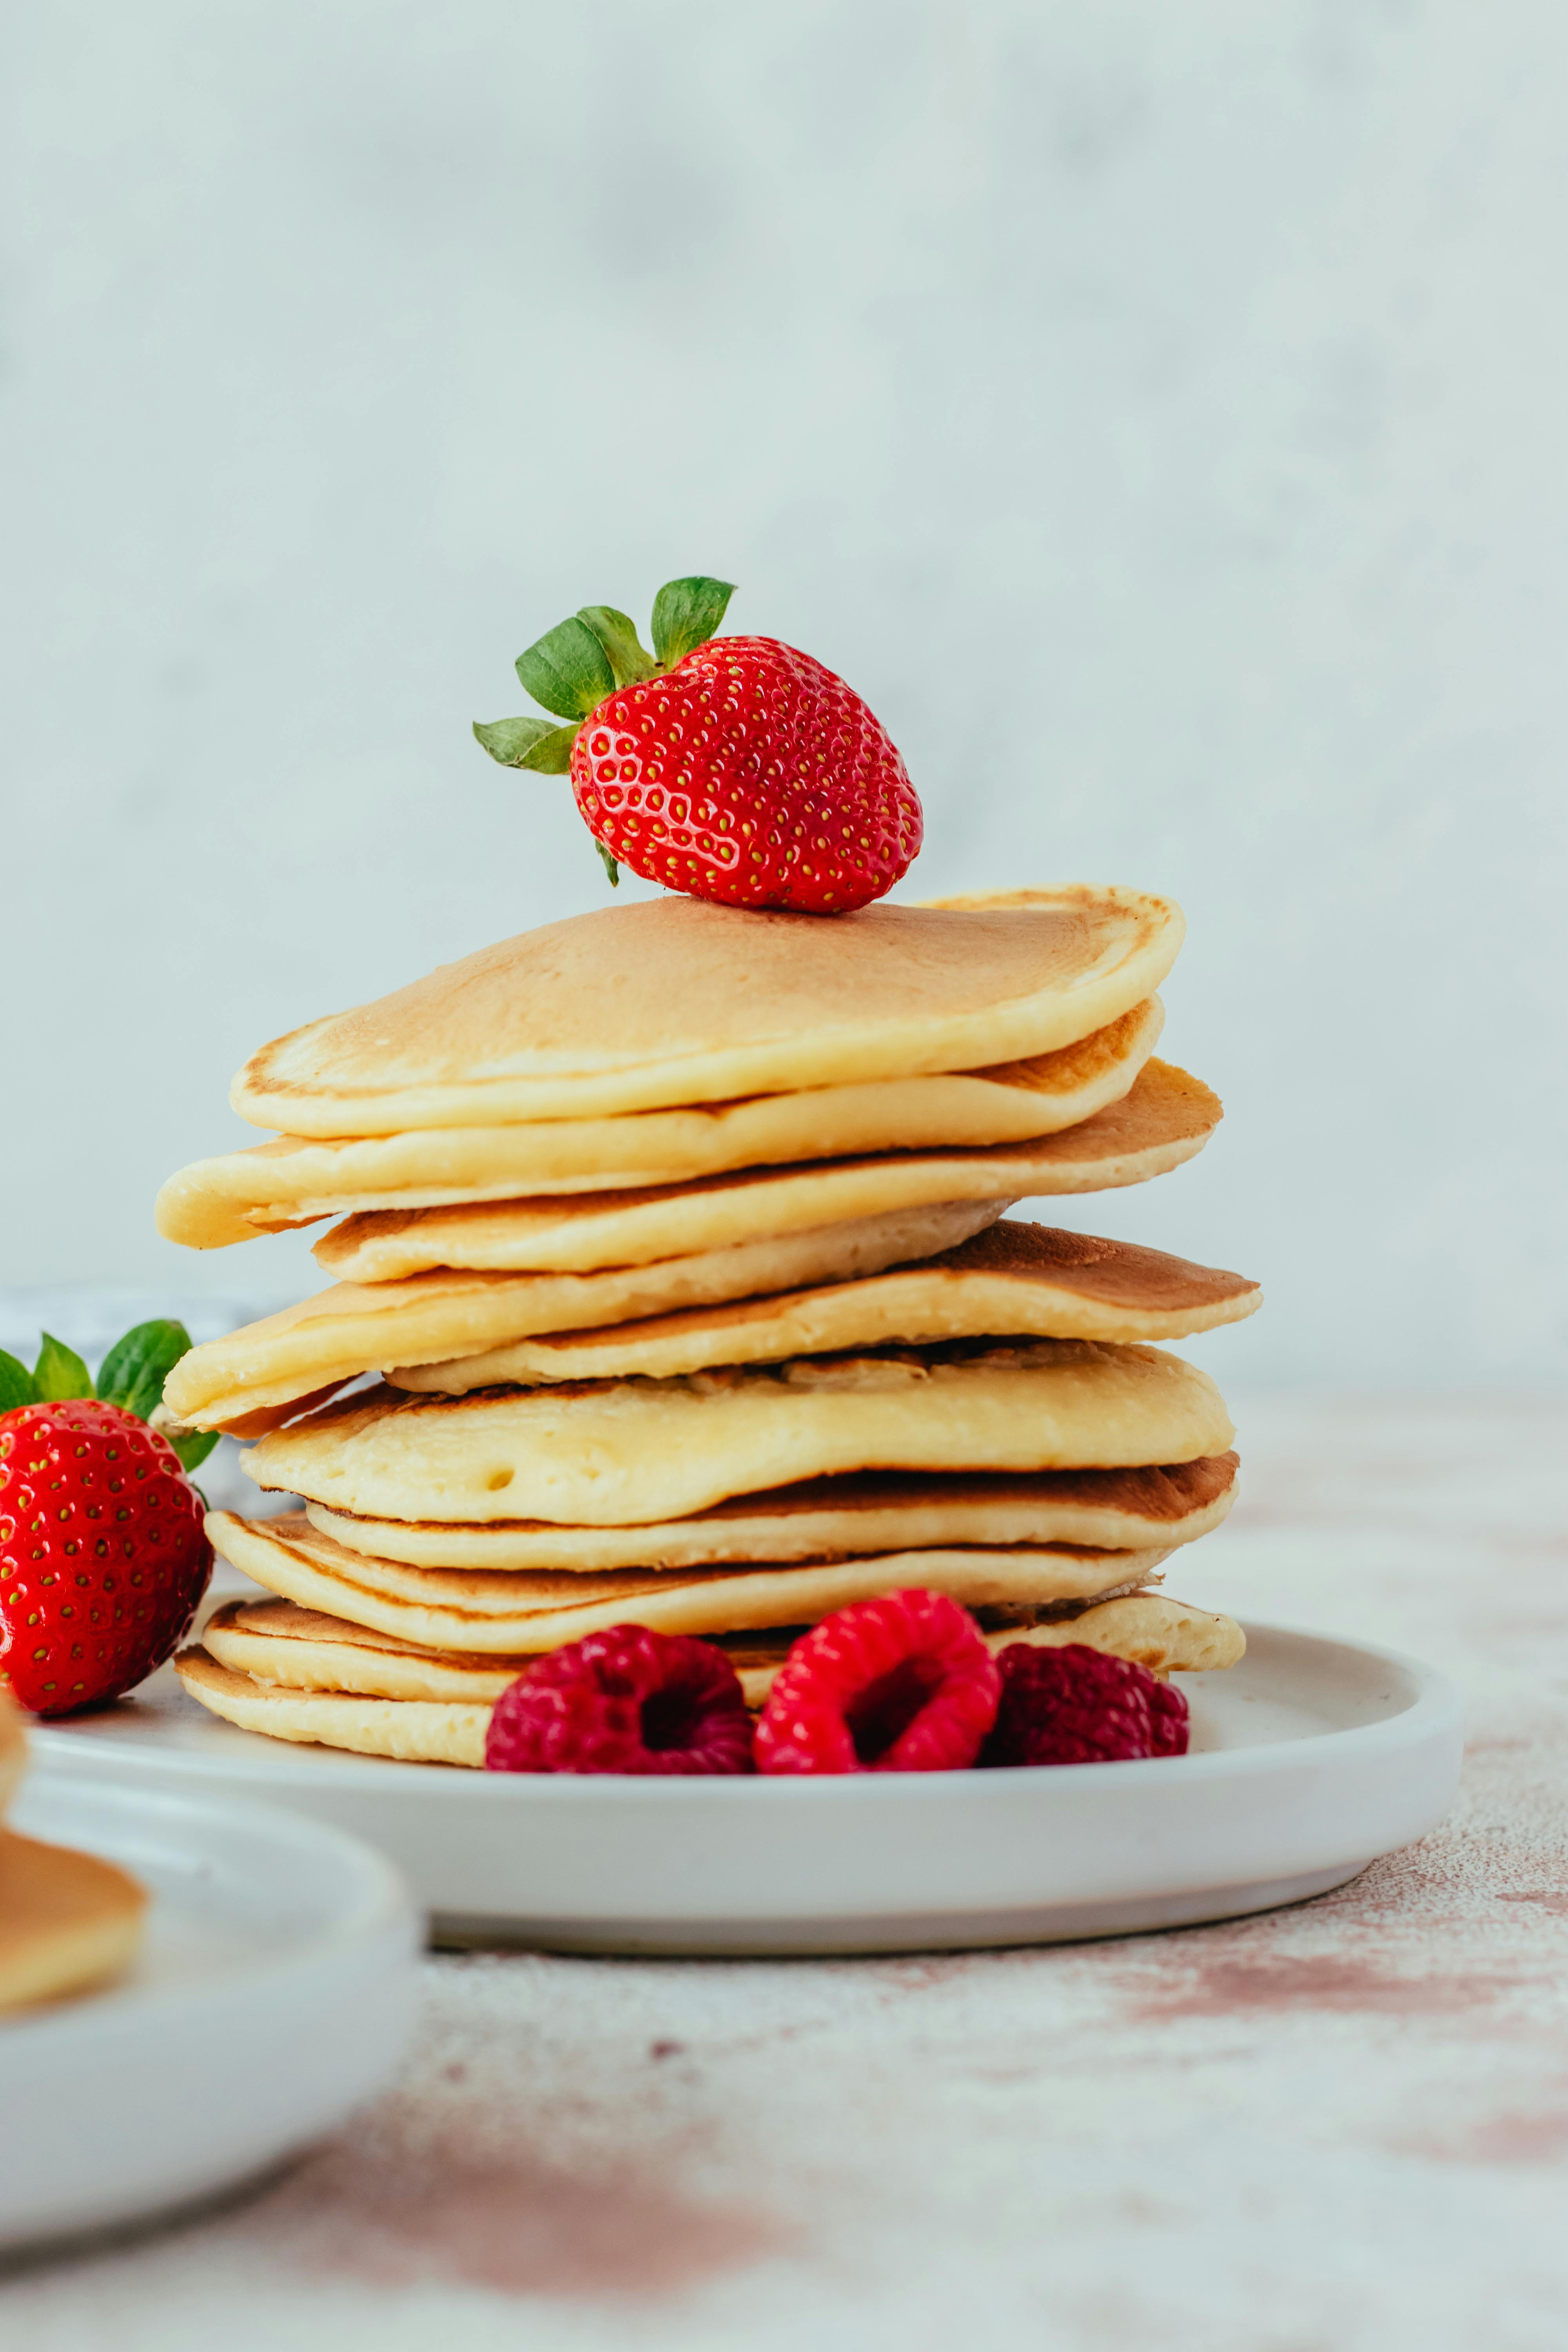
column 102, row 1554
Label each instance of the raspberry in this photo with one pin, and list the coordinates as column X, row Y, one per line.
column 901, row 1684
column 1171, row 1721
column 627, row 1700
column 1079, row 1706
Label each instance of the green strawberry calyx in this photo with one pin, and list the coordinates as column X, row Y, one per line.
column 575, row 665
column 131, row 1376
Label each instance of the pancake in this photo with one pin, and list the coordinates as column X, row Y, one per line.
column 68, row 1921
column 1014, row 1279
column 278, row 1642
column 295, row 1180
column 1166, row 1635
column 413, row 1731
column 1165, row 1119
column 1169, row 1637
column 675, row 1001
column 822, row 1518
column 12, row 1750
column 464, row 1611
column 363, row 1328
column 611, row 1452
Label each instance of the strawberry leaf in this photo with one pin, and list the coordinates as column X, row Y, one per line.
column 194, row 1450
column 132, row 1374
column 623, row 649
column 59, row 1372
column 527, row 744
column 552, row 755
column 686, row 612
column 16, row 1386
column 611, row 868
column 568, row 671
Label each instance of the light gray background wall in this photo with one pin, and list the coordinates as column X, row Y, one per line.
column 1157, row 411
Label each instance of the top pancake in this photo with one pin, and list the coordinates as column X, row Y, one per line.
column 675, row 1001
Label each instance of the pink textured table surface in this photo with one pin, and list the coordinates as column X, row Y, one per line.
column 1339, row 2128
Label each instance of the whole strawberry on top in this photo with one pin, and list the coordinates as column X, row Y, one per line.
column 730, row 768
column 102, row 1554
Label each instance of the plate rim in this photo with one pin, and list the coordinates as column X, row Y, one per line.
column 1436, row 1707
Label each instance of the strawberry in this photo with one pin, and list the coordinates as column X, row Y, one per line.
column 733, row 768
column 102, row 1553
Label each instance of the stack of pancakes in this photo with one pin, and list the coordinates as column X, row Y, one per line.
column 675, row 1234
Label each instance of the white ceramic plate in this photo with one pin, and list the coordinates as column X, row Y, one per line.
column 1313, row 1757
column 275, row 1992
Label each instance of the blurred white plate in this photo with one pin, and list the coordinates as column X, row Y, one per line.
column 275, row 1992
column 1313, row 1757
